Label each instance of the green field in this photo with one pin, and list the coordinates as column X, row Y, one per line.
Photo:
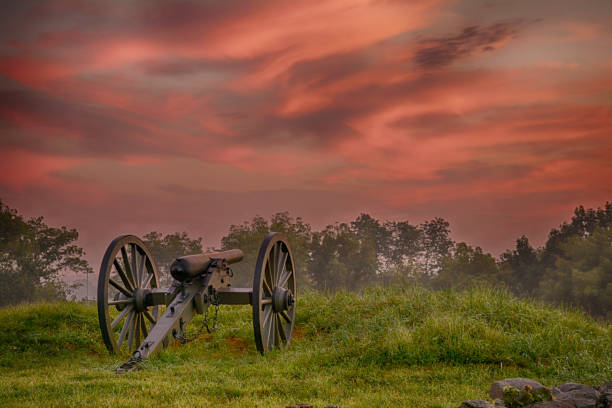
column 383, row 347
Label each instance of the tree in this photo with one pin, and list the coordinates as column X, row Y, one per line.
column 403, row 252
column 165, row 249
column 373, row 237
column 572, row 267
column 249, row 236
column 436, row 244
column 521, row 268
column 466, row 267
column 583, row 223
column 370, row 229
column 33, row 256
column 582, row 274
column 341, row 260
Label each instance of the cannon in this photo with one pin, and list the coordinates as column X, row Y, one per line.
column 139, row 318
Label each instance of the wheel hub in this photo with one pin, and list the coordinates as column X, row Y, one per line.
column 282, row 299
column 139, row 299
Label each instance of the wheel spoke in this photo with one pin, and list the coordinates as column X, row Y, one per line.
column 124, row 312
column 143, row 328
column 277, row 251
column 281, row 266
column 267, row 324
column 124, row 329
column 275, row 263
column 141, row 269
column 272, row 332
column 150, row 317
column 137, row 328
column 283, row 280
column 281, row 330
column 266, row 301
column 131, row 333
column 147, row 280
column 126, row 264
column 285, row 316
column 266, row 287
column 126, row 281
column 270, row 268
column 121, row 302
column 276, row 337
column 266, row 317
column 134, row 266
column 268, row 277
column 119, row 287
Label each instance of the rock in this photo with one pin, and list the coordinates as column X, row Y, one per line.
column 581, row 395
column 475, row 404
column 605, row 399
column 570, row 386
column 497, row 388
column 552, row 404
column 605, row 387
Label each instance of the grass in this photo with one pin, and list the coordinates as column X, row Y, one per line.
column 383, row 347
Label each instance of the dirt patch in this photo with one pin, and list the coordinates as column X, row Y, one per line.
column 297, row 334
column 237, row 345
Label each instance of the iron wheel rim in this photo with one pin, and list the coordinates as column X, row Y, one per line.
column 127, row 266
column 274, row 271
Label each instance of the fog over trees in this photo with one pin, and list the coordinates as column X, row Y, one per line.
column 32, row 255
column 573, row 267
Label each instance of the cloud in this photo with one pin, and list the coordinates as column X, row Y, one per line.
column 471, row 171
column 443, row 51
column 326, row 109
column 181, row 67
column 46, row 123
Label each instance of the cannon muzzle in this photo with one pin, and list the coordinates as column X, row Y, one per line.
column 190, row 266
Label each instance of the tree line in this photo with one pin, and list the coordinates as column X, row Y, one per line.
column 573, row 267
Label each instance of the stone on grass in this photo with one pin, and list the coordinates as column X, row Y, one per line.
column 605, row 387
column 581, row 395
column 604, row 400
column 497, row 388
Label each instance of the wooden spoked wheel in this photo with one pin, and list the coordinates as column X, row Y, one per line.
column 274, row 294
column 127, row 273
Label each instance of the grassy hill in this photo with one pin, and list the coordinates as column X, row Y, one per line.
column 384, row 347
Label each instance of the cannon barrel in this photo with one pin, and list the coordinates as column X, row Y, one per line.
column 190, row 266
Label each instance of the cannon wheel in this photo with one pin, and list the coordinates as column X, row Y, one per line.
column 274, row 294
column 127, row 268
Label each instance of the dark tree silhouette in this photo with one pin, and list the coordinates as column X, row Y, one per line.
column 32, row 257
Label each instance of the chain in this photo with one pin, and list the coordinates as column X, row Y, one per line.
column 214, row 325
column 180, row 335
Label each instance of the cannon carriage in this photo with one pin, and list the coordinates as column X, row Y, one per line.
column 130, row 299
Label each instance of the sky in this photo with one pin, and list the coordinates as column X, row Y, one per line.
column 129, row 117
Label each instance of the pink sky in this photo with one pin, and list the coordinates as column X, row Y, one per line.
column 128, row 117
